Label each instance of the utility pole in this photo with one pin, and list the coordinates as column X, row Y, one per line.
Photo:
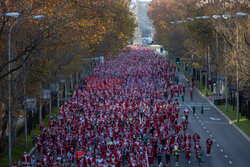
column 24, row 107
column 40, row 106
column 206, row 62
column 200, row 78
column 237, row 69
column 226, row 86
column 226, row 92
column 50, row 104
column 58, row 100
column 9, row 97
column 66, row 92
column 192, row 69
column 217, row 66
column 209, row 70
column 71, row 81
column 40, row 111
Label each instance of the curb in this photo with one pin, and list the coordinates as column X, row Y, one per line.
column 224, row 115
column 32, row 150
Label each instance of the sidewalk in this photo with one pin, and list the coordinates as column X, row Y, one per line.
column 19, row 147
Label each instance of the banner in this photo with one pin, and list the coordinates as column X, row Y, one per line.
column 95, row 83
column 30, row 104
column 54, row 87
column 46, row 93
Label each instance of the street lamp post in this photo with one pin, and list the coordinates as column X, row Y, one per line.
column 217, row 66
column 217, row 59
column 227, row 16
column 14, row 15
column 237, row 70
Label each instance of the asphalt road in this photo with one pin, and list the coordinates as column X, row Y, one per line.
column 230, row 148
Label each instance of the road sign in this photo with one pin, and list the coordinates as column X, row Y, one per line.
column 30, row 104
column 54, row 87
column 46, row 93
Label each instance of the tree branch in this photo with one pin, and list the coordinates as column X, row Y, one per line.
column 25, row 52
column 27, row 49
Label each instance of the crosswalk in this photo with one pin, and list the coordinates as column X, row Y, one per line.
column 205, row 105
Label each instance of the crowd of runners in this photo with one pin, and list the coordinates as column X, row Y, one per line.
column 126, row 114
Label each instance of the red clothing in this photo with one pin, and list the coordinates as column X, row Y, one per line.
column 25, row 158
column 188, row 154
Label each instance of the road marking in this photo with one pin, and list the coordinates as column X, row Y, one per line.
column 206, row 108
column 221, row 150
column 214, row 140
column 197, row 117
column 225, row 156
column 199, row 120
column 214, row 119
column 230, row 162
column 218, row 145
column 211, row 136
column 202, row 123
column 207, row 131
column 205, row 127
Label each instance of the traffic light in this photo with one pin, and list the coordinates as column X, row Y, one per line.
column 177, row 60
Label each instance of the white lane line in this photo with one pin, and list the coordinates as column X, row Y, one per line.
column 197, row 117
column 191, row 109
column 225, row 156
column 207, row 131
column 202, row 123
column 218, row 145
column 214, row 140
column 199, row 120
column 221, row 150
column 230, row 162
column 210, row 135
column 205, row 127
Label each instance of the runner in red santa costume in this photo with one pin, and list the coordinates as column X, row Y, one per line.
column 188, row 154
column 25, row 158
column 209, row 144
column 191, row 92
column 196, row 137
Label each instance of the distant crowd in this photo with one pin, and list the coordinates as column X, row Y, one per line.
column 134, row 124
